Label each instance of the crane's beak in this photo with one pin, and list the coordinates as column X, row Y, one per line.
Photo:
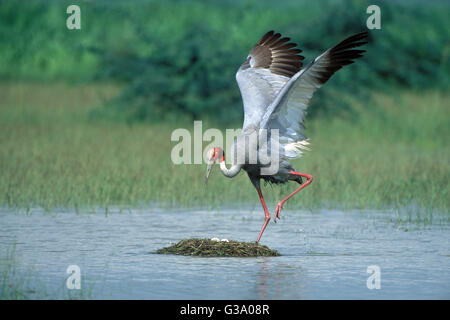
column 208, row 171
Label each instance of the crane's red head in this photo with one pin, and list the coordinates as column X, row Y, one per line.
column 213, row 155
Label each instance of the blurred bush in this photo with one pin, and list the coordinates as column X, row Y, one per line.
column 178, row 58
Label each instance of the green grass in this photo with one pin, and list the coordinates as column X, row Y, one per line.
column 13, row 286
column 188, row 51
column 18, row 282
column 394, row 155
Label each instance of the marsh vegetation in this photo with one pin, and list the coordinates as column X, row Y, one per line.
column 85, row 124
column 393, row 155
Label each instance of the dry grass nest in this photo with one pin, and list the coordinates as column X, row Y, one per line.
column 210, row 248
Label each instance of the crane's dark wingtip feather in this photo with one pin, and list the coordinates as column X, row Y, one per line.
column 266, row 36
column 343, row 54
column 276, row 53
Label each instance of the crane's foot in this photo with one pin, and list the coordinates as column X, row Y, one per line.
column 266, row 221
column 277, row 211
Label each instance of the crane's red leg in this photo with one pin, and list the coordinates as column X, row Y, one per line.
column 266, row 212
column 280, row 204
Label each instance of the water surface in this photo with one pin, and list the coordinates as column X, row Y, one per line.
column 325, row 254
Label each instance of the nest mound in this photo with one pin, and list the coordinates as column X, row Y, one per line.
column 210, row 248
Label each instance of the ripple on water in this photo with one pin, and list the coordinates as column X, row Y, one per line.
column 324, row 255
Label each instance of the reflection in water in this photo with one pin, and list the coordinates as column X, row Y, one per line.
column 324, row 255
column 263, row 275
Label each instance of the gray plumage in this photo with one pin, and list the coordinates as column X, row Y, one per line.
column 276, row 92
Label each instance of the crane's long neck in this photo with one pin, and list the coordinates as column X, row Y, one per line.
column 232, row 171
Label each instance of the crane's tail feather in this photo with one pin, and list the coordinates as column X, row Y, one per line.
column 294, row 149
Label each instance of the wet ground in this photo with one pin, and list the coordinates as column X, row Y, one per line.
column 325, row 255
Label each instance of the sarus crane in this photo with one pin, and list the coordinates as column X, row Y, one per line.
column 276, row 90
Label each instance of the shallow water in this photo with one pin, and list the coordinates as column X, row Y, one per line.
column 325, row 255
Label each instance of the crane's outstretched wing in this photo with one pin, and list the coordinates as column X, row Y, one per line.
column 268, row 67
column 287, row 112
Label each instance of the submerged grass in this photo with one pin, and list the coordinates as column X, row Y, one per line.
column 22, row 282
column 210, row 248
column 16, row 283
column 395, row 154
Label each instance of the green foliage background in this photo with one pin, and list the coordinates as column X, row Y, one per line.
column 167, row 62
column 177, row 59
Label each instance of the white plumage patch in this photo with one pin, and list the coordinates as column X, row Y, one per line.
column 294, row 149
